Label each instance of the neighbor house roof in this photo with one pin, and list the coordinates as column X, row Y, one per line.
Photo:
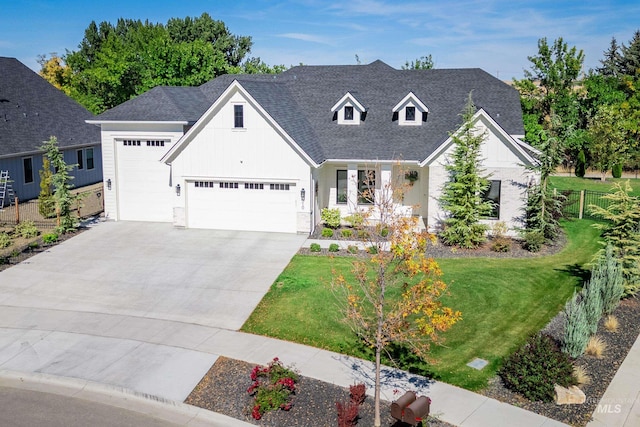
column 300, row 101
column 32, row 110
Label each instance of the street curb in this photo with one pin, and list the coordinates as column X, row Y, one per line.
column 154, row 406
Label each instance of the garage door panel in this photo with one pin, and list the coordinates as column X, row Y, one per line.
column 241, row 208
column 143, row 185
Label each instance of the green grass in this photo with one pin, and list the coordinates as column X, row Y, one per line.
column 592, row 184
column 502, row 301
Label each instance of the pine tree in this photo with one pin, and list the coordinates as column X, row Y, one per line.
column 611, row 62
column 463, row 195
column 630, row 58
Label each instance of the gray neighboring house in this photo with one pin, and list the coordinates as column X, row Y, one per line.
column 269, row 152
column 31, row 111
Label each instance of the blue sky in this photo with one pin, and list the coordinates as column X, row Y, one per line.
column 494, row 35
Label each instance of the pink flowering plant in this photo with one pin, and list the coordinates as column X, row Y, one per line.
column 272, row 388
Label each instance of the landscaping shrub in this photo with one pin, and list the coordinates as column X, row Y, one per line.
column 384, row 232
column 592, row 300
column 373, row 250
column 581, row 164
column 50, row 238
column 26, row 229
column 346, row 233
column 5, row 240
column 616, row 171
column 272, row 387
column 334, row 247
column 315, row 247
column 576, row 330
column 533, row 240
column 500, row 242
column 327, row 232
column 355, row 220
column 348, row 411
column 352, row 249
column 363, row 235
column 609, row 270
column 581, row 375
column 536, row 367
column 331, row 217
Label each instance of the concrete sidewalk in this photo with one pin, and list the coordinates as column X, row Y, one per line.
column 62, row 343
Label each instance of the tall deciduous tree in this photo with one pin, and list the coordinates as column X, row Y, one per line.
column 463, row 194
column 413, row 320
column 551, row 98
column 422, row 63
column 114, row 63
column 608, row 139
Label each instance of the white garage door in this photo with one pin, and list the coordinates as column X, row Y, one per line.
column 241, row 206
column 143, row 181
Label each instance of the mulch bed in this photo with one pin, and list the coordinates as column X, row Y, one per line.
column 601, row 370
column 23, row 249
column 224, row 390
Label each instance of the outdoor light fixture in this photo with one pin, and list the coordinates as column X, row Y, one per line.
column 109, row 184
column 302, row 194
column 178, row 190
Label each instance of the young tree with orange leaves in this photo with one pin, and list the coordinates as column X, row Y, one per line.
column 398, row 260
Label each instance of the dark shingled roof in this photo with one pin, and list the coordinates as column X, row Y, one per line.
column 32, row 110
column 301, row 98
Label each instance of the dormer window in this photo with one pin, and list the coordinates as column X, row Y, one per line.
column 410, row 111
column 348, row 111
column 410, row 114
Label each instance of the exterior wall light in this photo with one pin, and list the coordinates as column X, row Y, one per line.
column 302, row 194
column 178, row 190
column 109, row 184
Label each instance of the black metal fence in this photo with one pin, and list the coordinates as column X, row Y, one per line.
column 576, row 203
column 90, row 203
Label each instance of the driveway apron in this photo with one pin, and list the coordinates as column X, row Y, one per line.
column 126, row 303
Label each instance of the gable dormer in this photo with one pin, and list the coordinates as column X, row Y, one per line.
column 410, row 111
column 348, row 111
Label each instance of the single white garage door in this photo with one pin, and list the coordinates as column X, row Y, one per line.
column 252, row 206
column 143, row 181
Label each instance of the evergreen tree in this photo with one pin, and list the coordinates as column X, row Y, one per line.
column 609, row 271
column 46, row 203
column 463, row 195
column 576, row 330
column 592, row 300
column 630, row 58
column 611, row 62
column 621, row 230
column 61, row 182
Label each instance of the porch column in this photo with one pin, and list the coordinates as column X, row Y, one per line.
column 352, row 186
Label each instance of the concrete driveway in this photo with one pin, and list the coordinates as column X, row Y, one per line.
column 129, row 304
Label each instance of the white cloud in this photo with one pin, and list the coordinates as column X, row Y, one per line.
column 306, row 38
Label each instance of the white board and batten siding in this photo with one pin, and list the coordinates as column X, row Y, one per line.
column 246, row 178
column 502, row 163
column 140, row 184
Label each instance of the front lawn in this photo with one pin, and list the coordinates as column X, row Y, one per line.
column 502, row 302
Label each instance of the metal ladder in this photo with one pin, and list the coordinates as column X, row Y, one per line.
column 6, row 190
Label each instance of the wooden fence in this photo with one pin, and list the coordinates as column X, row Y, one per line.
column 90, row 203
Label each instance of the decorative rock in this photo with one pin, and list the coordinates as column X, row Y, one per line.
column 569, row 396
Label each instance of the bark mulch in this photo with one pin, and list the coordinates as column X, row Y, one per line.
column 601, row 370
column 23, row 249
column 224, row 389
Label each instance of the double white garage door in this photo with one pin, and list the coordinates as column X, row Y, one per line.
column 237, row 205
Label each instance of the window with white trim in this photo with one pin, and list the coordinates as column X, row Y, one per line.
column 238, row 116
column 232, row 185
column 348, row 113
column 366, row 186
column 492, row 194
column 80, row 159
column 253, row 186
column 89, row 157
column 282, row 187
column 27, row 169
column 341, row 187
